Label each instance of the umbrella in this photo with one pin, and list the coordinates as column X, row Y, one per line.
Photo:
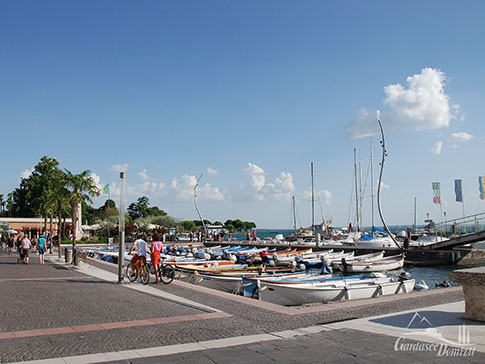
column 13, row 232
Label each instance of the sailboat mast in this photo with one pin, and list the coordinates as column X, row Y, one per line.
column 360, row 197
column 356, row 192
column 197, row 206
column 294, row 214
column 313, row 204
column 372, row 181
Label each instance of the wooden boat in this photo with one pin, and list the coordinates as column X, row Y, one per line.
column 334, row 289
column 230, row 281
column 381, row 265
column 358, row 258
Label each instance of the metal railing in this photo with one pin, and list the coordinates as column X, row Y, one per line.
column 472, row 224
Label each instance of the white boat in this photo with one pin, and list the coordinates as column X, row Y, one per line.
column 426, row 240
column 337, row 264
column 333, row 290
column 382, row 265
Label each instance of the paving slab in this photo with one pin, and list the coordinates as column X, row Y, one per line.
column 180, row 322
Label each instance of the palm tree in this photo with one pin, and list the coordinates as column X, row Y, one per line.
column 10, row 203
column 81, row 186
column 61, row 194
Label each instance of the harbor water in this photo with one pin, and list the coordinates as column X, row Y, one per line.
column 434, row 276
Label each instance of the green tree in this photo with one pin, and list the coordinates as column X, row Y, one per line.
column 188, row 225
column 81, row 187
column 140, row 208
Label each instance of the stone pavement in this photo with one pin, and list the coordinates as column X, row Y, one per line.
column 57, row 313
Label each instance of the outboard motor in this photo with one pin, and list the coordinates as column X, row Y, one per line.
column 326, row 267
column 404, row 276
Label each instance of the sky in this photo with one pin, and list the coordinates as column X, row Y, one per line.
column 248, row 94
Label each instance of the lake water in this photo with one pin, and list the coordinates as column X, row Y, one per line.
column 431, row 275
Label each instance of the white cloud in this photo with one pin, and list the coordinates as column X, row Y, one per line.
column 281, row 188
column 212, row 171
column 97, row 180
column 143, row 174
column 26, row 174
column 384, row 186
column 325, row 196
column 436, row 149
column 119, row 167
column 183, row 187
column 256, row 175
column 461, row 137
column 422, row 105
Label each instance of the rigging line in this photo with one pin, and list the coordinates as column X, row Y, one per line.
column 320, row 202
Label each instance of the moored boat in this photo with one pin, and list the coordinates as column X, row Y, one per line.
column 335, row 289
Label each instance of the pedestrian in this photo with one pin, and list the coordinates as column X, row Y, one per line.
column 18, row 245
column 41, row 248
column 155, row 249
column 25, row 244
column 10, row 243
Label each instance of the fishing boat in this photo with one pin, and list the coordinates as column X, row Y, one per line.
column 230, row 280
column 338, row 265
column 334, row 289
column 381, row 265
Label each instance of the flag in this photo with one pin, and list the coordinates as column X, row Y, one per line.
column 458, row 190
column 481, row 184
column 436, row 193
column 104, row 190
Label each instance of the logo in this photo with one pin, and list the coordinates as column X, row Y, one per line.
column 420, row 335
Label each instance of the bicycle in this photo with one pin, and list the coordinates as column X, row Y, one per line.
column 166, row 272
column 133, row 271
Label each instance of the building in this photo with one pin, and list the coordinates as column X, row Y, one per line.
column 30, row 225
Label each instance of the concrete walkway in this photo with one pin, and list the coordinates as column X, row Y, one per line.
column 56, row 313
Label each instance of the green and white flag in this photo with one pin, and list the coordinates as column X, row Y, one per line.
column 436, row 193
column 104, row 190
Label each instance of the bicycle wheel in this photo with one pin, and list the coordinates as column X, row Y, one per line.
column 144, row 274
column 167, row 273
column 131, row 272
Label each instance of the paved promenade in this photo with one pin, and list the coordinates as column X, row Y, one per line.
column 57, row 313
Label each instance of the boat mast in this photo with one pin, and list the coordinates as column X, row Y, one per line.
column 414, row 222
column 356, row 192
column 384, row 153
column 294, row 214
column 197, row 206
column 372, row 181
column 313, row 204
column 360, row 197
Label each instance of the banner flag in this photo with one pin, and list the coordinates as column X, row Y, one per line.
column 436, row 193
column 481, row 184
column 458, row 190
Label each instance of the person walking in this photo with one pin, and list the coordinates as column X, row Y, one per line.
column 155, row 248
column 41, row 248
column 10, row 243
column 25, row 245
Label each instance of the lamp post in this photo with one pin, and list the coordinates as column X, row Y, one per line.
column 121, row 251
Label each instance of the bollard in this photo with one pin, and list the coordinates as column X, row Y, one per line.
column 67, row 255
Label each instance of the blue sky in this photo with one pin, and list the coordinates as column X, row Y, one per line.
column 248, row 93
